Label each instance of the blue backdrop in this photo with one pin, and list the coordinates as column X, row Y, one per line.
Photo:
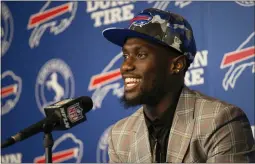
column 55, row 50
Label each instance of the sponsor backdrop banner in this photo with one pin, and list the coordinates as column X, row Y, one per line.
column 55, row 50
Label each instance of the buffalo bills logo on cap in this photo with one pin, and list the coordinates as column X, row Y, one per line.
column 141, row 19
column 159, row 26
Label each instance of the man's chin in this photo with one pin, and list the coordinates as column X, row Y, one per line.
column 130, row 101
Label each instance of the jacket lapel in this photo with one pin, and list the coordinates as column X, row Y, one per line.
column 182, row 127
column 140, row 147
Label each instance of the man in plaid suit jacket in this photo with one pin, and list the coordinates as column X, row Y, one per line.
column 158, row 48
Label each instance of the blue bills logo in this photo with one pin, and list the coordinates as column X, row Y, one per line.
column 10, row 91
column 54, row 82
column 6, row 28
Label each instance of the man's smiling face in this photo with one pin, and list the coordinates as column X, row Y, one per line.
column 145, row 71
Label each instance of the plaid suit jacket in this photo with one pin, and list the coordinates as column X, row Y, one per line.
column 203, row 130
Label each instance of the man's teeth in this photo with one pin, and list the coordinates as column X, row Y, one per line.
column 132, row 80
column 130, row 84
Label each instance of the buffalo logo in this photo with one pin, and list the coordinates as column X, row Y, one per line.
column 67, row 149
column 102, row 147
column 246, row 3
column 238, row 61
column 102, row 83
column 10, row 91
column 141, row 19
column 6, row 28
column 54, row 82
column 56, row 18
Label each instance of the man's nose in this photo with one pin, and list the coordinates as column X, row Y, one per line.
column 128, row 65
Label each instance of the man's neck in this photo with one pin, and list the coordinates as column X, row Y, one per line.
column 153, row 112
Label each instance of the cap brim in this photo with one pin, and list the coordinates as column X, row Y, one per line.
column 118, row 36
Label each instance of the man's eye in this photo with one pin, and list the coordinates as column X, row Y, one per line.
column 141, row 55
column 125, row 56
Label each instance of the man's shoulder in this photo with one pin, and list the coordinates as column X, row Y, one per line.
column 210, row 107
column 129, row 122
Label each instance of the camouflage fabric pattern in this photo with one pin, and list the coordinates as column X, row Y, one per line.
column 168, row 28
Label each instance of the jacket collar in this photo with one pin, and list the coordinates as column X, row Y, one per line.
column 180, row 133
column 182, row 127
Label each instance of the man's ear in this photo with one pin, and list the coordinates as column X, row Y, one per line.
column 178, row 64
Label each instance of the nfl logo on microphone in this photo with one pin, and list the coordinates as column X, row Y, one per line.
column 74, row 113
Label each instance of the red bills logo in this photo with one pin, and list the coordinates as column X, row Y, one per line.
column 60, row 156
column 73, row 154
column 10, row 91
column 237, row 61
column 141, row 19
column 55, row 18
column 104, row 78
column 106, row 81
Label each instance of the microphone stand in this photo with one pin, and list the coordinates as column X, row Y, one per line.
column 48, row 141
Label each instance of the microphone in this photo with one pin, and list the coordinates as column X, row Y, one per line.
column 61, row 115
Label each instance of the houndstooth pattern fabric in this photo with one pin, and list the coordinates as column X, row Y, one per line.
column 203, row 130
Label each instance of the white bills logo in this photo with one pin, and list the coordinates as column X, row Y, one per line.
column 107, row 80
column 10, row 91
column 72, row 154
column 56, row 18
column 102, row 147
column 54, row 82
column 6, row 28
column 238, row 61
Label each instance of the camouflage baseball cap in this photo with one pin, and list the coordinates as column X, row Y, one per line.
column 159, row 26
